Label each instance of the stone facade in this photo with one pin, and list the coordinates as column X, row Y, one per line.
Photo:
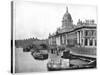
column 83, row 34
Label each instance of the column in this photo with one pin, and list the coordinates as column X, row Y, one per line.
column 83, row 42
column 77, row 37
column 83, row 37
column 51, row 41
column 59, row 40
column 93, row 42
column 88, row 42
column 83, row 33
column 56, row 40
column 62, row 39
column 80, row 37
column 66, row 40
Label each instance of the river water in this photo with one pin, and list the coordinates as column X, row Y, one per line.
column 24, row 62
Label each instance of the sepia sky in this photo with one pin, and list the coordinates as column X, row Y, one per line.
column 33, row 19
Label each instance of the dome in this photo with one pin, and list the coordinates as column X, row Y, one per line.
column 67, row 16
column 67, row 22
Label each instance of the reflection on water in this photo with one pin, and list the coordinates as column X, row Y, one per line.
column 24, row 62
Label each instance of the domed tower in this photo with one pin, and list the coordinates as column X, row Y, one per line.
column 67, row 22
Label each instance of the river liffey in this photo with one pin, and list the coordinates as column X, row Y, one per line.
column 24, row 62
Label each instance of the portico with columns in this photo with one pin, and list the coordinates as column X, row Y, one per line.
column 87, row 37
column 83, row 34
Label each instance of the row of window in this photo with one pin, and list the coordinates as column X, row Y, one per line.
column 90, row 42
column 90, row 33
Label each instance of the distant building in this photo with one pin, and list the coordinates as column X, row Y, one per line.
column 83, row 34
